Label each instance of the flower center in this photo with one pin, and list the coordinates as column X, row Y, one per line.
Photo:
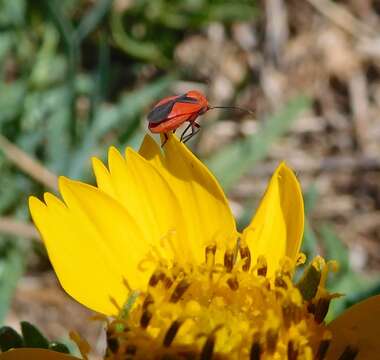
column 228, row 310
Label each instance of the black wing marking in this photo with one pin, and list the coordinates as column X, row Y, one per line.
column 161, row 112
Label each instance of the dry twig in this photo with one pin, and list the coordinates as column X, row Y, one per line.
column 358, row 90
column 342, row 17
column 27, row 164
column 330, row 164
column 11, row 226
column 277, row 27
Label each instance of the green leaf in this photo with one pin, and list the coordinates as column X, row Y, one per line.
column 59, row 347
column 102, row 74
column 33, row 338
column 58, row 129
column 12, row 13
column 349, row 283
column 9, row 196
column 62, row 22
column 358, row 296
column 6, row 42
column 247, row 214
column 146, row 50
column 11, row 96
column 335, row 249
column 11, row 268
column 230, row 12
column 310, row 198
column 236, row 159
column 9, row 339
column 310, row 241
column 49, row 67
column 41, row 112
column 72, row 48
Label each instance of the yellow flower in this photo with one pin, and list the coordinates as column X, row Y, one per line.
column 154, row 247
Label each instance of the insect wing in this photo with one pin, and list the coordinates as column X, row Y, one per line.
column 185, row 105
column 163, row 111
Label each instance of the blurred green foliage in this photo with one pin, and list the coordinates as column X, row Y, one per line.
column 231, row 163
column 353, row 286
column 78, row 75
column 31, row 337
column 155, row 27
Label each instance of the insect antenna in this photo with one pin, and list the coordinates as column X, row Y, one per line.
column 233, row 107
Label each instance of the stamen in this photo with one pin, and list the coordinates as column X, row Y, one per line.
column 322, row 350
column 128, row 305
column 156, row 277
column 169, row 239
column 114, row 303
column 245, row 254
column 112, row 342
column 286, row 267
column 311, row 308
column 145, row 318
column 309, row 282
column 292, row 351
column 349, row 353
column 149, row 260
column 179, row 290
column 297, row 314
column 301, row 259
column 171, row 333
column 118, row 326
column 147, row 301
column 229, row 260
column 271, row 340
column 82, row 344
column 208, row 348
column 262, row 266
column 126, row 284
column 210, row 254
column 321, row 309
column 280, row 282
column 233, row 283
column 290, row 314
column 131, row 349
column 168, row 282
column 273, row 304
column 255, row 352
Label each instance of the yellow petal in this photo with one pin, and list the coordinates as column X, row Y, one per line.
column 93, row 244
column 146, row 195
column 276, row 229
column 151, row 152
column 203, row 203
column 34, row 354
column 103, row 177
column 357, row 327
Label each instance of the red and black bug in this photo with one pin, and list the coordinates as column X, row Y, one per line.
column 171, row 112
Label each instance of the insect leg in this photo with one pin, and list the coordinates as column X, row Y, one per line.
column 166, row 139
column 194, row 130
column 185, row 131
